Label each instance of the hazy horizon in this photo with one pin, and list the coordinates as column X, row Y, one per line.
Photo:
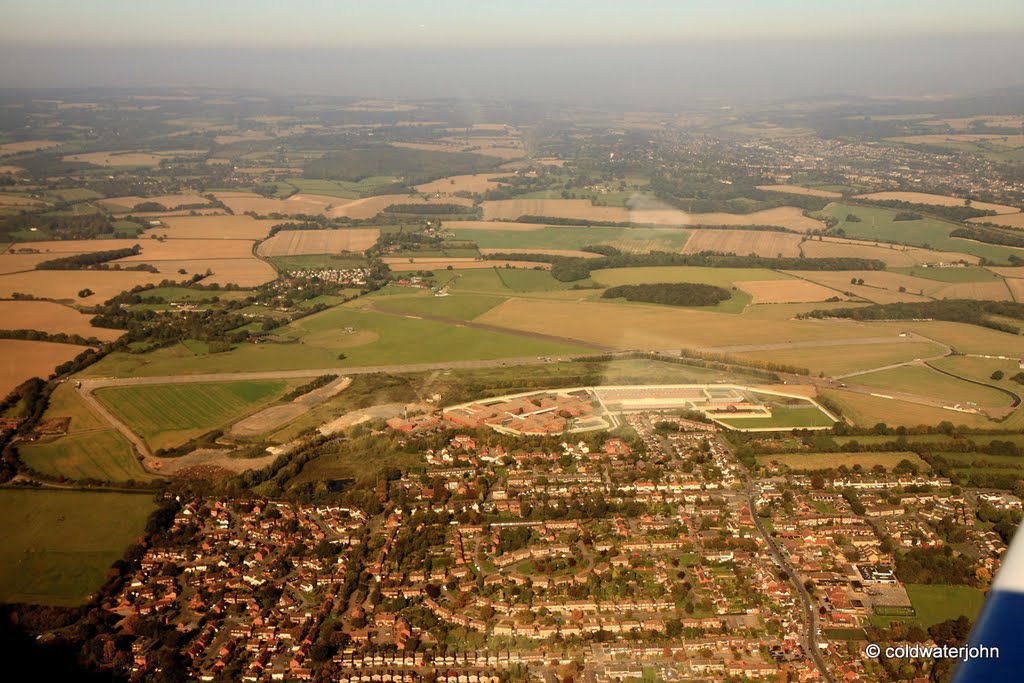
column 649, row 74
column 647, row 53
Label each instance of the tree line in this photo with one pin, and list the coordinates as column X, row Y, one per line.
column 671, row 294
column 971, row 311
column 93, row 258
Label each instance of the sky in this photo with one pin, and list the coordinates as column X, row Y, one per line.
column 587, row 50
column 493, row 23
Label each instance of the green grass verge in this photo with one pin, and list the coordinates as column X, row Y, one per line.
column 167, row 415
column 58, row 545
column 104, row 455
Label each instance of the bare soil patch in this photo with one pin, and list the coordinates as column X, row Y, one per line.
column 277, row 416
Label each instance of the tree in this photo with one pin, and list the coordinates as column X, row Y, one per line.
column 83, row 293
column 997, row 375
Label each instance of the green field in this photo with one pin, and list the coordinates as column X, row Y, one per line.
column 927, row 382
column 103, row 455
column 1016, row 438
column 339, row 188
column 877, row 224
column 596, row 198
column 824, row 461
column 461, row 306
column 308, row 261
column 59, row 544
column 665, row 239
column 188, row 294
column 981, row 369
column 838, row 360
column 934, row 604
column 317, row 341
column 507, row 281
column 720, row 277
column 167, row 415
column 783, row 418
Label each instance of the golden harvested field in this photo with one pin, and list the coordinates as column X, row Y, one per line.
column 168, row 201
column 1007, row 271
column 492, row 225
column 744, row 242
column 22, row 360
column 368, row 207
column 996, row 290
column 882, row 286
column 842, row 359
column 127, row 158
column 895, row 255
column 152, row 250
column 320, row 205
column 458, row 264
column 995, row 120
column 7, row 168
column 248, row 136
column 572, row 253
column 784, row 291
column 13, row 263
column 797, row 189
column 8, row 148
column 579, row 209
column 477, row 183
column 18, row 200
column 582, row 210
column 65, row 284
column 297, row 242
column 244, row 272
column 183, row 249
column 46, row 316
column 214, row 227
column 936, row 200
column 1015, row 285
column 638, row 326
column 1013, row 220
column 866, row 410
column 557, row 163
column 502, row 147
column 240, row 202
column 962, row 337
column 879, row 286
column 824, row 461
column 1008, row 141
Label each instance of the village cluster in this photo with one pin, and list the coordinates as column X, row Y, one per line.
column 653, row 551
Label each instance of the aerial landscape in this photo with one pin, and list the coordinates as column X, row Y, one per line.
column 352, row 386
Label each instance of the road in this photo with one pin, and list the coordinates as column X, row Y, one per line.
column 90, row 385
column 810, row 614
